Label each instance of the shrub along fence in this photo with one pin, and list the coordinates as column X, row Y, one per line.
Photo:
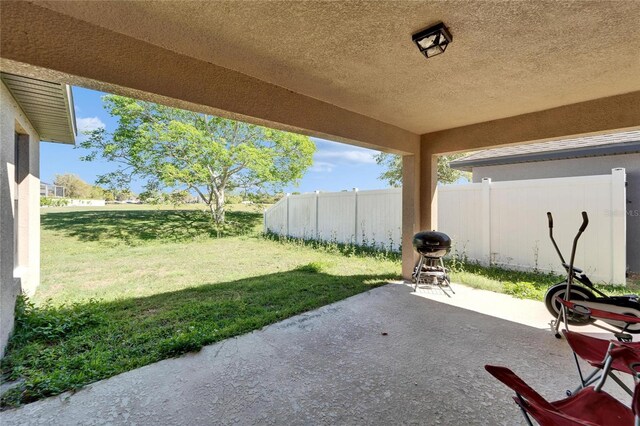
column 498, row 223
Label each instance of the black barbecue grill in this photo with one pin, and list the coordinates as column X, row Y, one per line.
column 432, row 243
column 432, row 246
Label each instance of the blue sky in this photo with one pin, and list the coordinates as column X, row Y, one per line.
column 336, row 166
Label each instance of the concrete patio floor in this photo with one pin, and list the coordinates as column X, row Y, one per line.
column 387, row 356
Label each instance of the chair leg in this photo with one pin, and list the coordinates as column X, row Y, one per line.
column 582, row 381
column 524, row 413
column 606, row 369
column 591, row 379
column 621, row 383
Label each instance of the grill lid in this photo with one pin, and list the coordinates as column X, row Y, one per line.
column 432, row 243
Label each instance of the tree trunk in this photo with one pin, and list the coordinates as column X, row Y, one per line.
column 217, row 210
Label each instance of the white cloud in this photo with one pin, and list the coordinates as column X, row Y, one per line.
column 351, row 156
column 87, row 124
column 343, row 153
column 322, row 167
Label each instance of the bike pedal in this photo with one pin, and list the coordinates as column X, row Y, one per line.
column 623, row 337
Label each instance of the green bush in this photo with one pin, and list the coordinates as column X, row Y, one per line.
column 53, row 202
column 233, row 199
column 524, row 290
column 48, row 324
column 312, row 268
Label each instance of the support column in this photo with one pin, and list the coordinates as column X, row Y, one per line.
column 410, row 211
column 428, row 185
column 28, row 214
column 9, row 288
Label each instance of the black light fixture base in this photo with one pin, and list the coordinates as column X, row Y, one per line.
column 433, row 41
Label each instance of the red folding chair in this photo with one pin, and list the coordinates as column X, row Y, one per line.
column 596, row 352
column 589, row 407
column 623, row 357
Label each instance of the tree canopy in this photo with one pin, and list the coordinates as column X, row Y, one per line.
column 178, row 149
column 393, row 169
column 75, row 187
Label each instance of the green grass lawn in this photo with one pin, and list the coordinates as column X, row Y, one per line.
column 125, row 286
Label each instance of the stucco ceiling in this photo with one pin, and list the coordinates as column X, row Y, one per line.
column 507, row 58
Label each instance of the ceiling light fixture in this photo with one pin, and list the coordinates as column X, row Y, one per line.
column 433, row 41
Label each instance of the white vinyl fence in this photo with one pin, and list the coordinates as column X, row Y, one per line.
column 500, row 223
column 505, row 223
column 86, row 203
column 372, row 218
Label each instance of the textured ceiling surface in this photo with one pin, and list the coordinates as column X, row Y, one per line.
column 507, row 58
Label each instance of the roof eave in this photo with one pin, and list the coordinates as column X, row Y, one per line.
column 71, row 112
column 592, row 151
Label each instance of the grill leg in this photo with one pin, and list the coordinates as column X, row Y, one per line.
column 417, row 273
column 436, row 274
column 446, row 277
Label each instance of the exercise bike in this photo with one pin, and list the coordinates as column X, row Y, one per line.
column 579, row 289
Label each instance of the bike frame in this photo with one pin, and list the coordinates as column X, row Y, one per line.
column 571, row 272
column 626, row 305
column 581, row 277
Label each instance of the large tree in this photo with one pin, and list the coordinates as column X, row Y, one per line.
column 75, row 187
column 393, row 169
column 174, row 148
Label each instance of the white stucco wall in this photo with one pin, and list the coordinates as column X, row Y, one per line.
column 19, row 269
column 582, row 167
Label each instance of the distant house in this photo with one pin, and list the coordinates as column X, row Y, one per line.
column 31, row 111
column 51, row 190
column 591, row 155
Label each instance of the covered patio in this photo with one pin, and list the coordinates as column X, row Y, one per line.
column 387, row 356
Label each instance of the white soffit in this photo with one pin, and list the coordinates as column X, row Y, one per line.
column 49, row 106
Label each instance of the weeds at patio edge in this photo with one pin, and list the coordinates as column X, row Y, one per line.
column 521, row 284
column 371, row 249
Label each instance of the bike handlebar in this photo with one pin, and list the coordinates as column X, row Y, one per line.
column 585, row 221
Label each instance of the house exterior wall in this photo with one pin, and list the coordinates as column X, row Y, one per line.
column 582, row 167
column 19, row 266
